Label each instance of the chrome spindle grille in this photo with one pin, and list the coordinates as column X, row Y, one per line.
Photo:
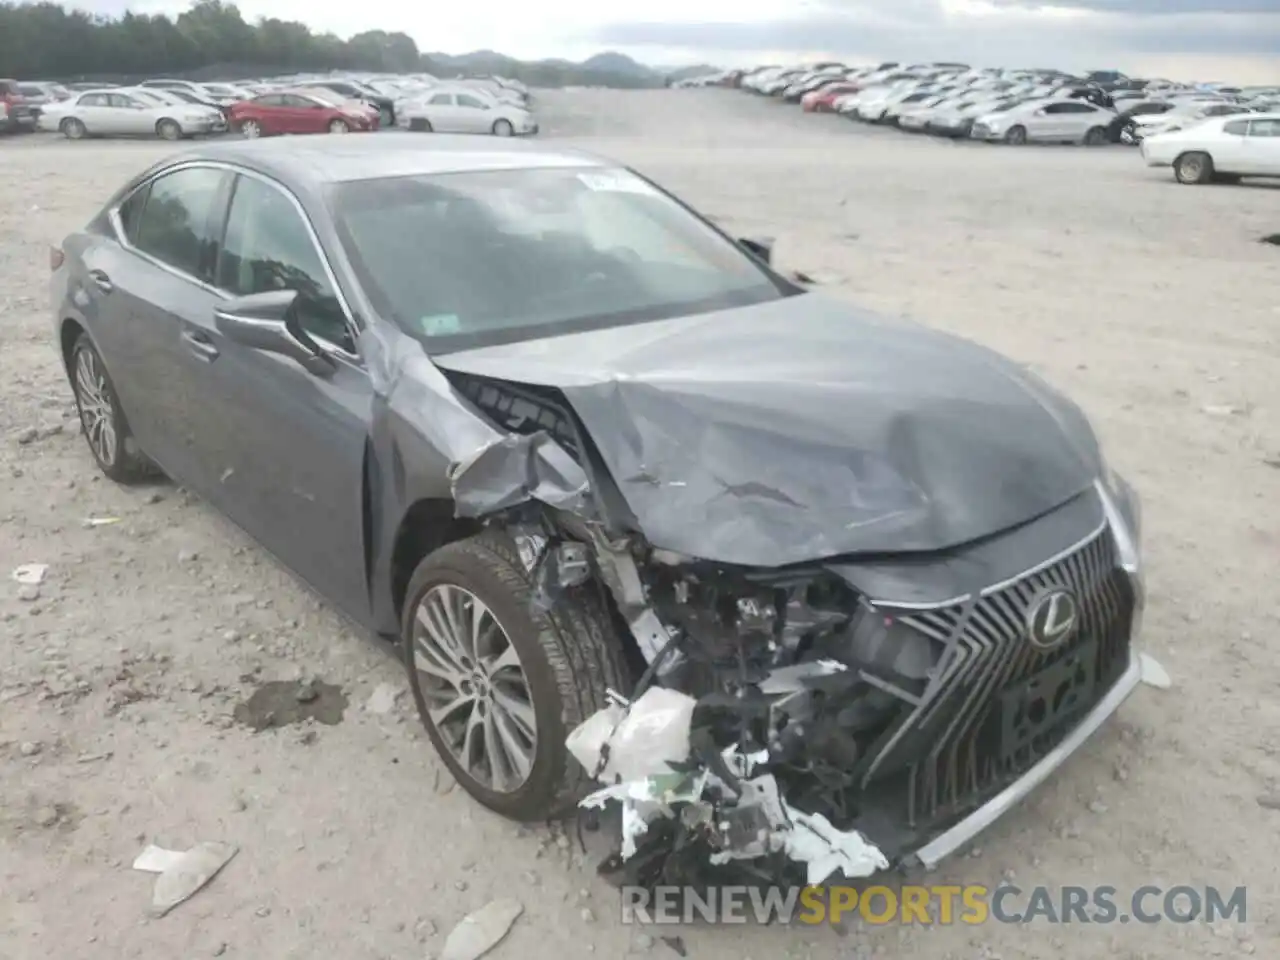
column 998, row 703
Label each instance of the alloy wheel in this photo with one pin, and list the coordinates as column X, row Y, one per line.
column 250, row 129
column 475, row 689
column 97, row 414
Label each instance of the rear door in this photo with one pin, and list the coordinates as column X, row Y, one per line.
column 94, row 111
column 128, row 116
column 152, row 291
column 303, row 115
column 442, row 113
column 1261, row 148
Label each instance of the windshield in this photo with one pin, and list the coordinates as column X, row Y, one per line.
column 219, row 90
column 478, row 258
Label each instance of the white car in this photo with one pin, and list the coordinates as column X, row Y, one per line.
column 1221, row 149
column 1180, row 117
column 1046, row 121
column 117, row 113
column 463, row 110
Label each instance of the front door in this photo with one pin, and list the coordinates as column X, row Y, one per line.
column 286, row 448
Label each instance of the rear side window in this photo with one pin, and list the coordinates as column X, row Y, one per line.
column 1236, row 127
column 130, row 212
column 467, row 101
column 176, row 226
column 8, row 87
column 442, row 100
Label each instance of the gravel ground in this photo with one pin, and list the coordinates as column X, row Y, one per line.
column 1152, row 304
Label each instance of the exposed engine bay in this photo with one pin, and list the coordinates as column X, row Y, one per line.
column 763, row 695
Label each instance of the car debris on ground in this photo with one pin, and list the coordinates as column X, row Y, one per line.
column 182, row 873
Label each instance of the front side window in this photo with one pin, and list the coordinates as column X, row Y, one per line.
column 122, row 102
column 267, row 246
column 475, row 258
column 1264, row 128
column 176, row 225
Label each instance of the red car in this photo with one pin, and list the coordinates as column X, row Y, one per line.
column 299, row 112
column 822, row 99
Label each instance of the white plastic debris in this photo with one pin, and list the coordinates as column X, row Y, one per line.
column 791, row 679
column 31, row 574
column 100, row 521
column 1153, row 674
column 480, row 932
column 644, row 739
column 813, row 840
column 383, row 699
column 182, row 873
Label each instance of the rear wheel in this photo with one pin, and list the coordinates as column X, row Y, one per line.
column 1194, row 167
column 420, row 125
column 1096, row 137
column 503, row 128
column 250, row 129
column 499, row 685
column 73, row 129
column 339, row 126
column 101, row 418
column 1017, row 135
column 169, row 130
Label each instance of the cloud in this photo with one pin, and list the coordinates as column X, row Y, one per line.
column 1149, row 7
column 1075, row 32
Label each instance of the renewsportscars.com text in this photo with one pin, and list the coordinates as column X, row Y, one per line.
column 937, row 904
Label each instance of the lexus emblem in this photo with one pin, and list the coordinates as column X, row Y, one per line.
column 1052, row 619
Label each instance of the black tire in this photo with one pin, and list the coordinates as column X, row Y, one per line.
column 420, row 125
column 1193, row 167
column 124, row 462
column 1016, row 135
column 73, row 129
column 503, row 128
column 570, row 657
column 1096, row 137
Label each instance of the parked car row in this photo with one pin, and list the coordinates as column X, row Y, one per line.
column 997, row 105
column 174, row 109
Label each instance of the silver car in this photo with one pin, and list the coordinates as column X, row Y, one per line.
column 1046, row 121
column 118, row 112
column 463, row 110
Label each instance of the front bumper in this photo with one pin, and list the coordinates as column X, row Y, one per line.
column 966, row 830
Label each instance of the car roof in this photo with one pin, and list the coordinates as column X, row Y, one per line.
column 319, row 160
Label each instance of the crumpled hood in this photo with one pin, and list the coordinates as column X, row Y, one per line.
column 807, row 428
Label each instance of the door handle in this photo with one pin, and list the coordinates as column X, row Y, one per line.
column 200, row 345
column 101, row 280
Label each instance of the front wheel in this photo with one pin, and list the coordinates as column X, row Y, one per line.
column 169, row 130
column 1017, row 135
column 73, row 129
column 503, row 128
column 101, row 418
column 1194, row 167
column 499, row 685
column 339, row 126
column 1129, row 135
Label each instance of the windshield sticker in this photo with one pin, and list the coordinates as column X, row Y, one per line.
column 439, row 324
column 615, row 181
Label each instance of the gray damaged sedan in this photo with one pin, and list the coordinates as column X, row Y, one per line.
column 800, row 588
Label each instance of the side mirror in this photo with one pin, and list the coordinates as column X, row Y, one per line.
column 759, row 247
column 267, row 321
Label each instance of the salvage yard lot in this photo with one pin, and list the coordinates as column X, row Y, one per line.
column 1153, row 305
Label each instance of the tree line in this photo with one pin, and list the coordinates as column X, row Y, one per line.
column 42, row 41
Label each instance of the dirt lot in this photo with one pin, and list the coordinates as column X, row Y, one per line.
column 1152, row 304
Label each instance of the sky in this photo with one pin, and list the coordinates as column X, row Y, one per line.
column 1228, row 40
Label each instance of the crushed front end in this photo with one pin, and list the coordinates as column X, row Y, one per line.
column 804, row 722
